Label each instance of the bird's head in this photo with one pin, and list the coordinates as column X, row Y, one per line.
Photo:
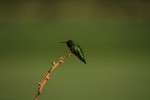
column 69, row 43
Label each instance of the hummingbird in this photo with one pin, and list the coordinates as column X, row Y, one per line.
column 75, row 49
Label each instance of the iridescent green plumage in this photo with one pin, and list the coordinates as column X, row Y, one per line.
column 76, row 50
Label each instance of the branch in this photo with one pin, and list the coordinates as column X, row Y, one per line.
column 48, row 74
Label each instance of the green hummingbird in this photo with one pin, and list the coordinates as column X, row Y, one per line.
column 75, row 49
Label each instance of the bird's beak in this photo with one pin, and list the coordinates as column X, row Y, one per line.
column 63, row 42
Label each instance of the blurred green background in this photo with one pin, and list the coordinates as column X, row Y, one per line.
column 114, row 35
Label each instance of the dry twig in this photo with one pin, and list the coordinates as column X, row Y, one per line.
column 47, row 75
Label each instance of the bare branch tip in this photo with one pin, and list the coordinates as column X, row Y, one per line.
column 48, row 74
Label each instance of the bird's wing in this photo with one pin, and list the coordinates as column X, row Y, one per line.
column 79, row 53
